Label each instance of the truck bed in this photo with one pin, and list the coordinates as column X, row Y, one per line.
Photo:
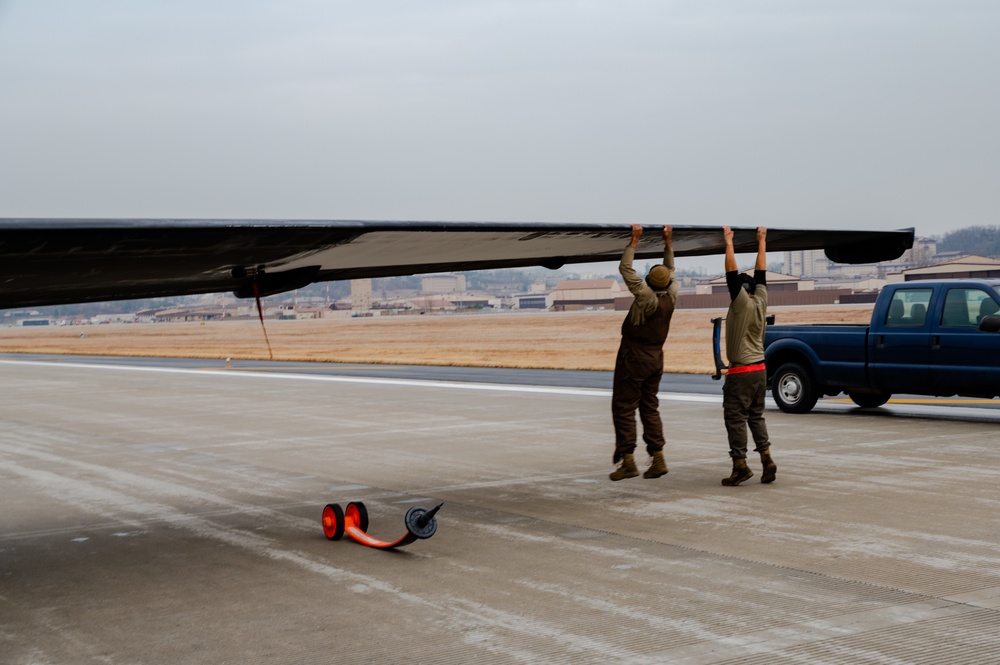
column 837, row 351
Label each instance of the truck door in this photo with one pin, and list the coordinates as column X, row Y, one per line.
column 965, row 360
column 898, row 344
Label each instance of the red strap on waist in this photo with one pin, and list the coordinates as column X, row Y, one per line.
column 742, row 369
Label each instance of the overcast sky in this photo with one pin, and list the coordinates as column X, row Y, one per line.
column 826, row 114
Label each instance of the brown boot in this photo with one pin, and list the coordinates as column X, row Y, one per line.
column 740, row 473
column 626, row 469
column 770, row 468
column 657, row 466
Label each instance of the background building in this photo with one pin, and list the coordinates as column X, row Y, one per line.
column 442, row 284
column 575, row 294
column 361, row 295
column 979, row 267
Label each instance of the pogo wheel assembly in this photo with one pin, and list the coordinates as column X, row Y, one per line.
column 353, row 520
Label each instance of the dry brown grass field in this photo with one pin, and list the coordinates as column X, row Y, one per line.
column 565, row 340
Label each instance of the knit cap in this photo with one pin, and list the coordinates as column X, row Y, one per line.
column 658, row 277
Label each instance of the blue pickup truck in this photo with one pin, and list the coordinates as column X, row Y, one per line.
column 933, row 337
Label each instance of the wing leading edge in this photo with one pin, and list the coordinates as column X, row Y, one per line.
column 59, row 261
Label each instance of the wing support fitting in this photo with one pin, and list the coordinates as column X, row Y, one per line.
column 258, row 281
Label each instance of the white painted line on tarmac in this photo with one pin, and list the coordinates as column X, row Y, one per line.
column 412, row 383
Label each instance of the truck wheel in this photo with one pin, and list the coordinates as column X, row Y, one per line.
column 869, row 400
column 793, row 389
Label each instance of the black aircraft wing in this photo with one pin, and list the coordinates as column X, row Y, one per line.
column 58, row 261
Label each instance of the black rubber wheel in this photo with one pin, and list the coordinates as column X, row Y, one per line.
column 413, row 522
column 357, row 512
column 333, row 521
column 794, row 389
column 869, row 400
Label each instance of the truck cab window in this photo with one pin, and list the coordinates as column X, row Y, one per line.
column 908, row 307
column 967, row 307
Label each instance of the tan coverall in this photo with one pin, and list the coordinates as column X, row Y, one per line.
column 639, row 364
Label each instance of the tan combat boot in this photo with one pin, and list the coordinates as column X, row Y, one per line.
column 626, row 469
column 657, row 466
column 740, row 473
column 770, row 468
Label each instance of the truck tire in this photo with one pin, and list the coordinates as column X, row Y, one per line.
column 793, row 389
column 869, row 400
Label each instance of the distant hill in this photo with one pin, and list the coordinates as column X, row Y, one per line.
column 981, row 240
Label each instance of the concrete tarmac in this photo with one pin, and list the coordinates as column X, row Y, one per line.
column 172, row 515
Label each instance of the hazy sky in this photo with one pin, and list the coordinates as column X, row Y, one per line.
column 826, row 114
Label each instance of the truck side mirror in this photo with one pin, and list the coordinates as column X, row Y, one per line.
column 990, row 324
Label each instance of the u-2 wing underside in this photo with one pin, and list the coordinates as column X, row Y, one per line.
column 58, row 261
